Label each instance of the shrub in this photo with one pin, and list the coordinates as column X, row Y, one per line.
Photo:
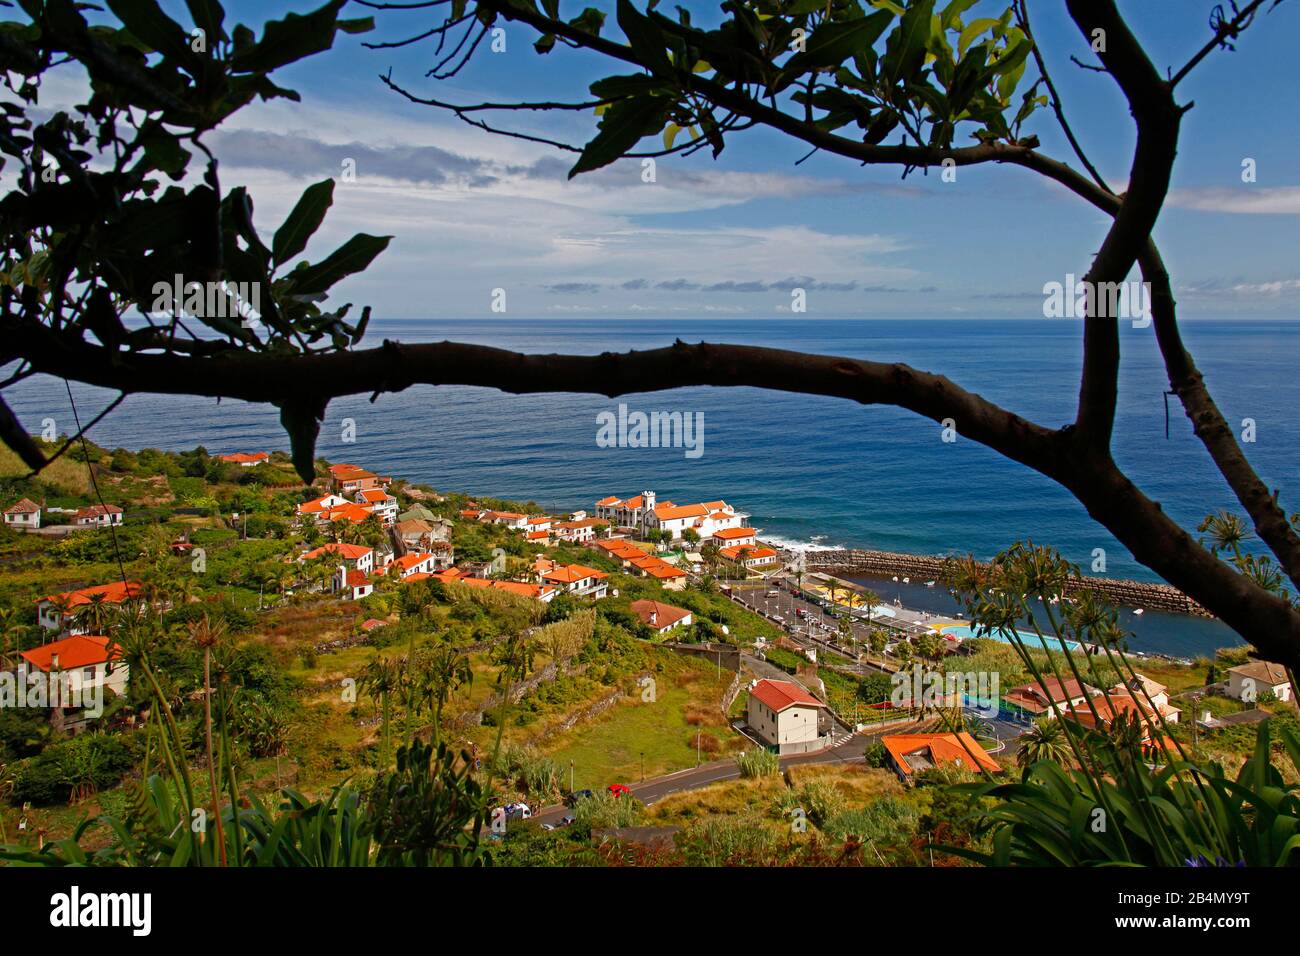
column 758, row 763
column 607, row 810
column 720, row 841
column 71, row 769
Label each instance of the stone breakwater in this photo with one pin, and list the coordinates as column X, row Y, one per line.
column 920, row 568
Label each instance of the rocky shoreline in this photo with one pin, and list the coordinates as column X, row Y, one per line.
column 1143, row 594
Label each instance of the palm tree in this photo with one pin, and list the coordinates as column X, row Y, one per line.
column 379, row 680
column 930, row 646
column 709, row 552
column 1044, row 740
column 439, row 675
column 94, row 615
column 870, row 600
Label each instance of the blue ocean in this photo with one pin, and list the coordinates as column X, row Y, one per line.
column 810, row 470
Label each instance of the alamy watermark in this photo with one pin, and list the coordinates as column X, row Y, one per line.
column 36, row 690
column 636, row 429
column 210, row 300
column 1078, row 299
column 976, row 691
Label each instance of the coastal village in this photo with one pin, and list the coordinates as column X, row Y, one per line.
column 679, row 655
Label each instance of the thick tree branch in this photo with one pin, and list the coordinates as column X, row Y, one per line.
column 1151, row 101
column 1266, row 620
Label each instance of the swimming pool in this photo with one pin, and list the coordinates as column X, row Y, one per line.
column 1029, row 639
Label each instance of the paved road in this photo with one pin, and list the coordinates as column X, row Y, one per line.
column 653, row 790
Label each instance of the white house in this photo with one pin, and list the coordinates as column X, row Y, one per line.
column 418, row 563
column 58, row 612
column 577, row 579
column 660, row 618
column 646, row 513
column 380, row 503
column 354, row 585
column 511, row 519
column 246, row 459
column 97, row 516
column 749, row 555
column 784, row 715
column 579, row 532
column 734, row 537
column 72, row 675
column 319, row 507
column 1146, row 693
column 356, row 557
column 24, row 515
column 1248, row 681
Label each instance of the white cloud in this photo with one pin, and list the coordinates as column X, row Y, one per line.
column 1246, row 199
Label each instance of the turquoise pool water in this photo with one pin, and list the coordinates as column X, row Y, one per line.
column 1030, row 639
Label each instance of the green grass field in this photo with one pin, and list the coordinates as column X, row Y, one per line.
column 611, row 748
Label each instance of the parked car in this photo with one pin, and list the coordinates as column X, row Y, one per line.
column 572, row 799
column 568, row 819
column 619, row 789
column 518, row 811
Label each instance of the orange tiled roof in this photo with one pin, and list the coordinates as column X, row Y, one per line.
column 959, row 748
column 348, row 552
column 570, row 574
column 244, row 457
column 349, row 512
column 665, row 614
column 745, row 551
column 81, row 650
column 23, row 506
column 670, row 512
column 514, row 587
column 728, row 534
column 113, row 593
column 779, row 695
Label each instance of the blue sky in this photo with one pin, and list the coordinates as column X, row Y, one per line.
column 472, row 212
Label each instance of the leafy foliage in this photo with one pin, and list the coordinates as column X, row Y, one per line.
column 106, row 216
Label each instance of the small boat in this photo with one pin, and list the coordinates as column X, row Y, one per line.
column 895, row 577
column 929, row 584
column 907, row 580
column 1138, row 610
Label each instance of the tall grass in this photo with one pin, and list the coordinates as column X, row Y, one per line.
column 758, row 763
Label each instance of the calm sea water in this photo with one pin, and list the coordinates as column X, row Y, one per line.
column 807, row 469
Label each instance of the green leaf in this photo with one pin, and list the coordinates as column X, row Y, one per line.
column 833, row 43
column 207, row 16
column 950, row 17
column 145, row 21
column 645, row 38
column 905, row 52
column 291, row 238
column 621, row 128
column 357, row 25
column 301, row 420
column 353, row 256
column 291, row 39
column 972, row 31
